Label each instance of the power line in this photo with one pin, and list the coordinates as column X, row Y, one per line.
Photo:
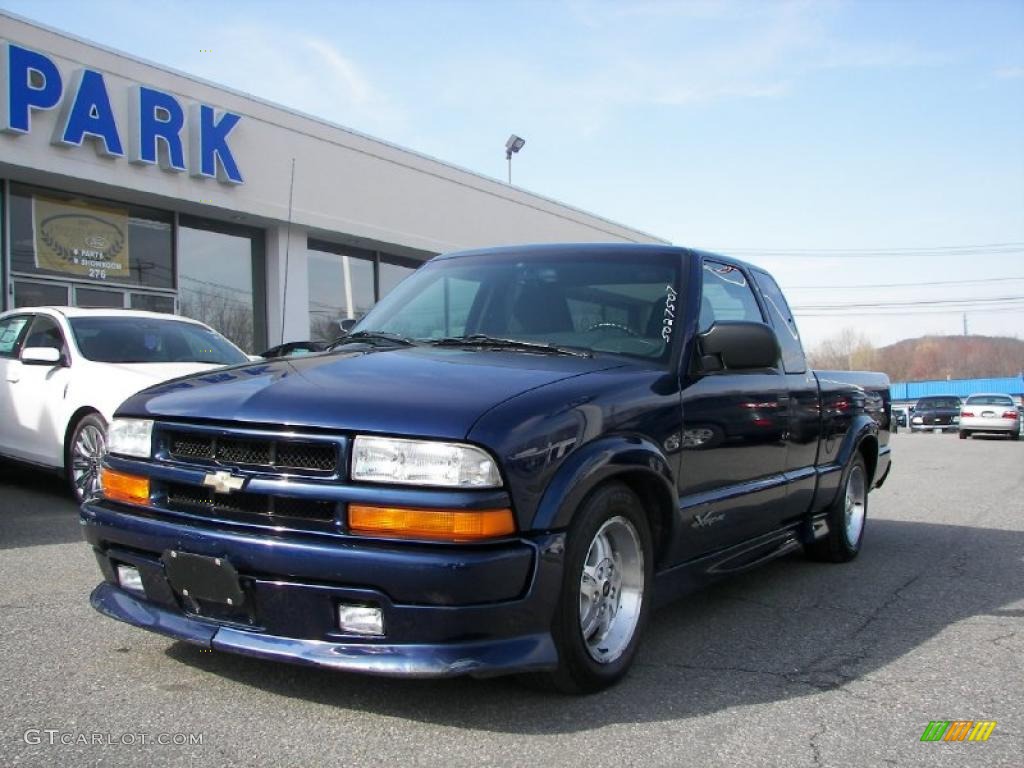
column 923, row 311
column 938, row 250
column 923, row 302
column 900, row 285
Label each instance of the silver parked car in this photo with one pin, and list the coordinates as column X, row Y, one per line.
column 990, row 413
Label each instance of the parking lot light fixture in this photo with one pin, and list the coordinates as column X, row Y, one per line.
column 512, row 146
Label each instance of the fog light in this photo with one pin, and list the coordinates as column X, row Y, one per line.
column 129, row 578
column 361, row 619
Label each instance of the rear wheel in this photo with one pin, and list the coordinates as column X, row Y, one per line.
column 846, row 518
column 605, row 596
column 1015, row 435
column 964, row 434
column 83, row 455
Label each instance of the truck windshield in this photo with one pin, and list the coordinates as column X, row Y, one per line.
column 589, row 302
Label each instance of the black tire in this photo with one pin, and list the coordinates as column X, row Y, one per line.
column 86, row 430
column 836, row 547
column 964, row 434
column 1015, row 435
column 578, row 671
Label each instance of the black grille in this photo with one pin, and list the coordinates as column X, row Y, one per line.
column 306, row 456
column 285, row 455
column 191, row 447
column 255, row 507
column 230, row 451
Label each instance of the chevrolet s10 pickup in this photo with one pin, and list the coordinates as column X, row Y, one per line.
column 504, row 468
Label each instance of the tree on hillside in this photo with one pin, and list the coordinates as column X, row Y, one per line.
column 848, row 350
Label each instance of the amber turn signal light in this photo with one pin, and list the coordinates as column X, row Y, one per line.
column 119, row 486
column 439, row 524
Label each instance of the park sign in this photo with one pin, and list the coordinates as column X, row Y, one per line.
column 30, row 81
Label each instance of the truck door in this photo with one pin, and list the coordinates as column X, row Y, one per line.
column 734, row 423
column 804, row 429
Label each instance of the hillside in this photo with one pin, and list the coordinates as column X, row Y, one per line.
column 954, row 357
column 927, row 357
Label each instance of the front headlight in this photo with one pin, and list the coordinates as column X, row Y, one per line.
column 130, row 437
column 916, row 420
column 422, row 462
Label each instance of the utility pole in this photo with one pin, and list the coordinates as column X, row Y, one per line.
column 965, row 323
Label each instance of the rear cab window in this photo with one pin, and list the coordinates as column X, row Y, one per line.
column 782, row 321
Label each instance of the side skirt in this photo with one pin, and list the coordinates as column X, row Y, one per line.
column 678, row 580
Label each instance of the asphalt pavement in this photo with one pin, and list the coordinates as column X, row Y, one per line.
column 794, row 664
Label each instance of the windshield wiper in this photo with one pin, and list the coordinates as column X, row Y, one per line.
column 494, row 342
column 373, row 338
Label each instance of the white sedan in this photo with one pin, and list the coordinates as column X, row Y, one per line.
column 995, row 414
column 64, row 371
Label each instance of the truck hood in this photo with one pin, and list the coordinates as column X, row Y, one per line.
column 425, row 391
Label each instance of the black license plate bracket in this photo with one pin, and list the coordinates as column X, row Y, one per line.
column 201, row 577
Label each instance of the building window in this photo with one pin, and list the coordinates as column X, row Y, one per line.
column 73, row 237
column 345, row 282
column 31, row 294
column 340, row 287
column 221, row 279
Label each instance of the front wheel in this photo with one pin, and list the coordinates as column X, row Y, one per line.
column 606, row 587
column 84, row 454
column 846, row 518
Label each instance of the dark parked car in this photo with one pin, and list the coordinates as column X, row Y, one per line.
column 940, row 412
column 507, row 464
column 294, row 349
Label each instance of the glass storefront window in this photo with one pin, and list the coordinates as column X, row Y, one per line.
column 340, row 287
column 217, row 279
column 82, row 238
column 92, row 297
column 29, row 294
column 153, row 303
column 345, row 282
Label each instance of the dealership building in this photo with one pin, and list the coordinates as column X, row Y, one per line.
column 126, row 184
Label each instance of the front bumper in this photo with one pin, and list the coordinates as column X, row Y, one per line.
column 946, row 426
column 448, row 610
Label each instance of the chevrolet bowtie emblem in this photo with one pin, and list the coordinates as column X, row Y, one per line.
column 223, row 482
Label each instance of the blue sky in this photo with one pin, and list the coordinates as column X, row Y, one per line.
column 790, row 127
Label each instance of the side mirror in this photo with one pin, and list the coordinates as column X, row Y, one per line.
column 735, row 346
column 41, row 356
column 347, row 324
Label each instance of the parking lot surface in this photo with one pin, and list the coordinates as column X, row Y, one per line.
column 796, row 664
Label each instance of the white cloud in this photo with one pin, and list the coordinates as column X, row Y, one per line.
column 304, row 73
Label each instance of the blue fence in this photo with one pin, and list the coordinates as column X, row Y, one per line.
column 912, row 390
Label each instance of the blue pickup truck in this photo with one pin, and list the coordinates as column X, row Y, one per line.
column 505, row 467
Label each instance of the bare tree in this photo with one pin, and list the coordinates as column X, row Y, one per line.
column 848, row 350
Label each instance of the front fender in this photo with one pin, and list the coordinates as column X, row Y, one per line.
column 594, row 463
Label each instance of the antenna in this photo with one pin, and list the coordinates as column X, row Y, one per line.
column 287, row 250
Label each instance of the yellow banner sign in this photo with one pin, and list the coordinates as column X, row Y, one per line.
column 90, row 241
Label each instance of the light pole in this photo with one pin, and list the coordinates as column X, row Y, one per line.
column 513, row 145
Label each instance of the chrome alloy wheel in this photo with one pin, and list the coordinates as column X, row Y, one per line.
column 86, row 456
column 856, row 505
column 611, row 590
